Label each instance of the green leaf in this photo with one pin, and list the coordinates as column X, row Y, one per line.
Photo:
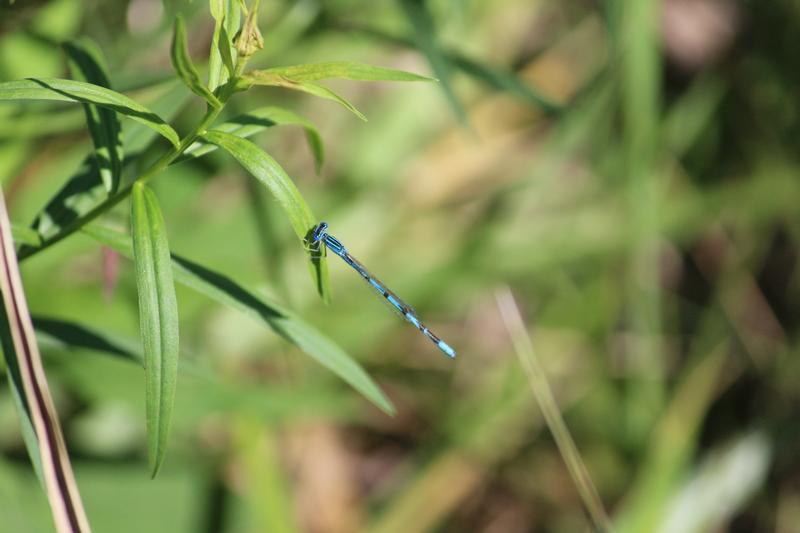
column 256, row 121
column 255, row 78
column 158, row 318
column 84, row 190
column 183, row 65
column 225, row 51
column 75, row 335
column 101, row 171
column 87, row 64
column 88, row 93
column 422, row 23
column 346, row 70
column 264, row 168
column 227, row 15
column 492, row 76
column 504, row 81
column 217, row 8
column 283, row 322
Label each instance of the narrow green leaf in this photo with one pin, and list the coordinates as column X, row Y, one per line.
column 227, row 16
column 283, row 322
column 257, row 78
column 75, row 335
column 39, row 419
column 504, row 81
column 269, row 172
column 225, row 51
column 256, row 121
column 272, row 175
column 215, row 63
column 217, row 8
column 182, row 63
column 346, row 70
column 87, row 64
column 422, row 23
column 76, row 91
column 495, row 77
column 158, row 318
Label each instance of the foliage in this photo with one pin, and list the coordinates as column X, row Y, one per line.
column 640, row 208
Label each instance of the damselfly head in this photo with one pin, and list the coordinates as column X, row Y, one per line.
column 319, row 232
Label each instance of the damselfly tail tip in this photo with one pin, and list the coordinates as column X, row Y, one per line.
column 443, row 346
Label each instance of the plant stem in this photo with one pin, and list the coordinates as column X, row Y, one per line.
column 154, row 169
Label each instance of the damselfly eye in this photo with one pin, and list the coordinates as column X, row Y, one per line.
column 319, row 231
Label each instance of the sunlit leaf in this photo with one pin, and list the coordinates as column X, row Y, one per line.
column 217, row 8
column 346, row 70
column 87, row 64
column 101, row 171
column 183, row 65
column 227, row 14
column 302, row 86
column 264, row 168
column 283, row 322
column 225, row 51
column 256, row 121
column 77, row 91
column 158, row 318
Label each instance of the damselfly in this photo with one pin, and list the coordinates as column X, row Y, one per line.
column 320, row 234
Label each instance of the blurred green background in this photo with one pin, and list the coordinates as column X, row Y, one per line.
column 628, row 169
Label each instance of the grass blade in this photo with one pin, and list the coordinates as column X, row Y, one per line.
column 303, row 86
column 425, row 39
column 672, row 444
column 256, row 121
column 269, row 172
column 158, row 318
column 87, row 64
column 88, row 93
column 504, row 81
column 346, row 70
column 283, row 322
column 552, row 415
column 45, row 440
column 183, row 65
column 492, row 76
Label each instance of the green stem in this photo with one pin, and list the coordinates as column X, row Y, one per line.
column 154, row 169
